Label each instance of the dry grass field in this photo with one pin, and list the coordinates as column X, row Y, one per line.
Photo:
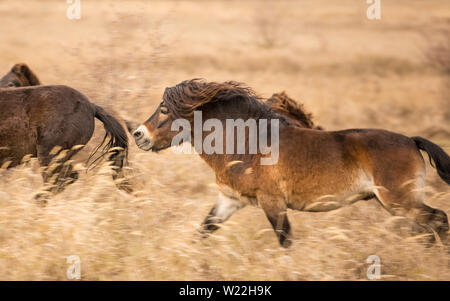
column 350, row 72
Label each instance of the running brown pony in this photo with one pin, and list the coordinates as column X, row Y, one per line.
column 20, row 75
column 34, row 120
column 316, row 171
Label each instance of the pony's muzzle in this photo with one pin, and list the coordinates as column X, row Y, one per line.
column 142, row 138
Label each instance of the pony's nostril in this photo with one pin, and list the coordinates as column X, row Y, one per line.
column 137, row 134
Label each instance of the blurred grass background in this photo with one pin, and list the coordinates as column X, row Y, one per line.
column 349, row 72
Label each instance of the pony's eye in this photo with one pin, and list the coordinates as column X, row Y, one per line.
column 11, row 85
column 164, row 110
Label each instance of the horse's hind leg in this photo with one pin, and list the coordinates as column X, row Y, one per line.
column 438, row 221
column 275, row 210
column 219, row 213
column 70, row 132
column 57, row 171
column 407, row 201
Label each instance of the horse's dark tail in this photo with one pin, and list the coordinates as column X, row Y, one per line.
column 435, row 152
column 118, row 141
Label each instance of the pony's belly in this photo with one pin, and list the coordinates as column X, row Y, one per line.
column 328, row 202
column 324, row 194
column 331, row 197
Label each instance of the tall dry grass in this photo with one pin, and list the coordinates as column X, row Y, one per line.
column 349, row 71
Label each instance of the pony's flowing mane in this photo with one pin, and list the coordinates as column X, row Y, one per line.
column 183, row 99
column 186, row 97
column 282, row 103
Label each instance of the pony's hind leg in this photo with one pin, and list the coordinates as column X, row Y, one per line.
column 410, row 204
column 71, row 133
column 219, row 213
column 275, row 211
column 57, row 170
column 438, row 221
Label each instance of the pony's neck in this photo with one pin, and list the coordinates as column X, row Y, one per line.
column 230, row 111
column 240, row 109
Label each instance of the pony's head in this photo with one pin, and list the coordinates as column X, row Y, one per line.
column 180, row 102
column 155, row 134
column 20, row 75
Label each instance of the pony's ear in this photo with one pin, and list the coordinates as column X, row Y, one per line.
column 25, row 71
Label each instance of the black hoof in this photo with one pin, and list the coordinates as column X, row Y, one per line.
column 41, row 198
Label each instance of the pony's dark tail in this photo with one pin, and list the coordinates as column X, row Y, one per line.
column 435, row 152
column 118, row 141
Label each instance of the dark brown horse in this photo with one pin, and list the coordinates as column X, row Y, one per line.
column 316, row 170
column 21, row 75
column 35, row 120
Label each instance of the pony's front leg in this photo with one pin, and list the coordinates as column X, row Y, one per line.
column 219, row 213
column 275, row 210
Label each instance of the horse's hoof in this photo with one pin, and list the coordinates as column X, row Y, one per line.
column 41, row 199
column 286, row 243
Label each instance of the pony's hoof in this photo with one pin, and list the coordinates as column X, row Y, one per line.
column 286, row 243
column 41, row 199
